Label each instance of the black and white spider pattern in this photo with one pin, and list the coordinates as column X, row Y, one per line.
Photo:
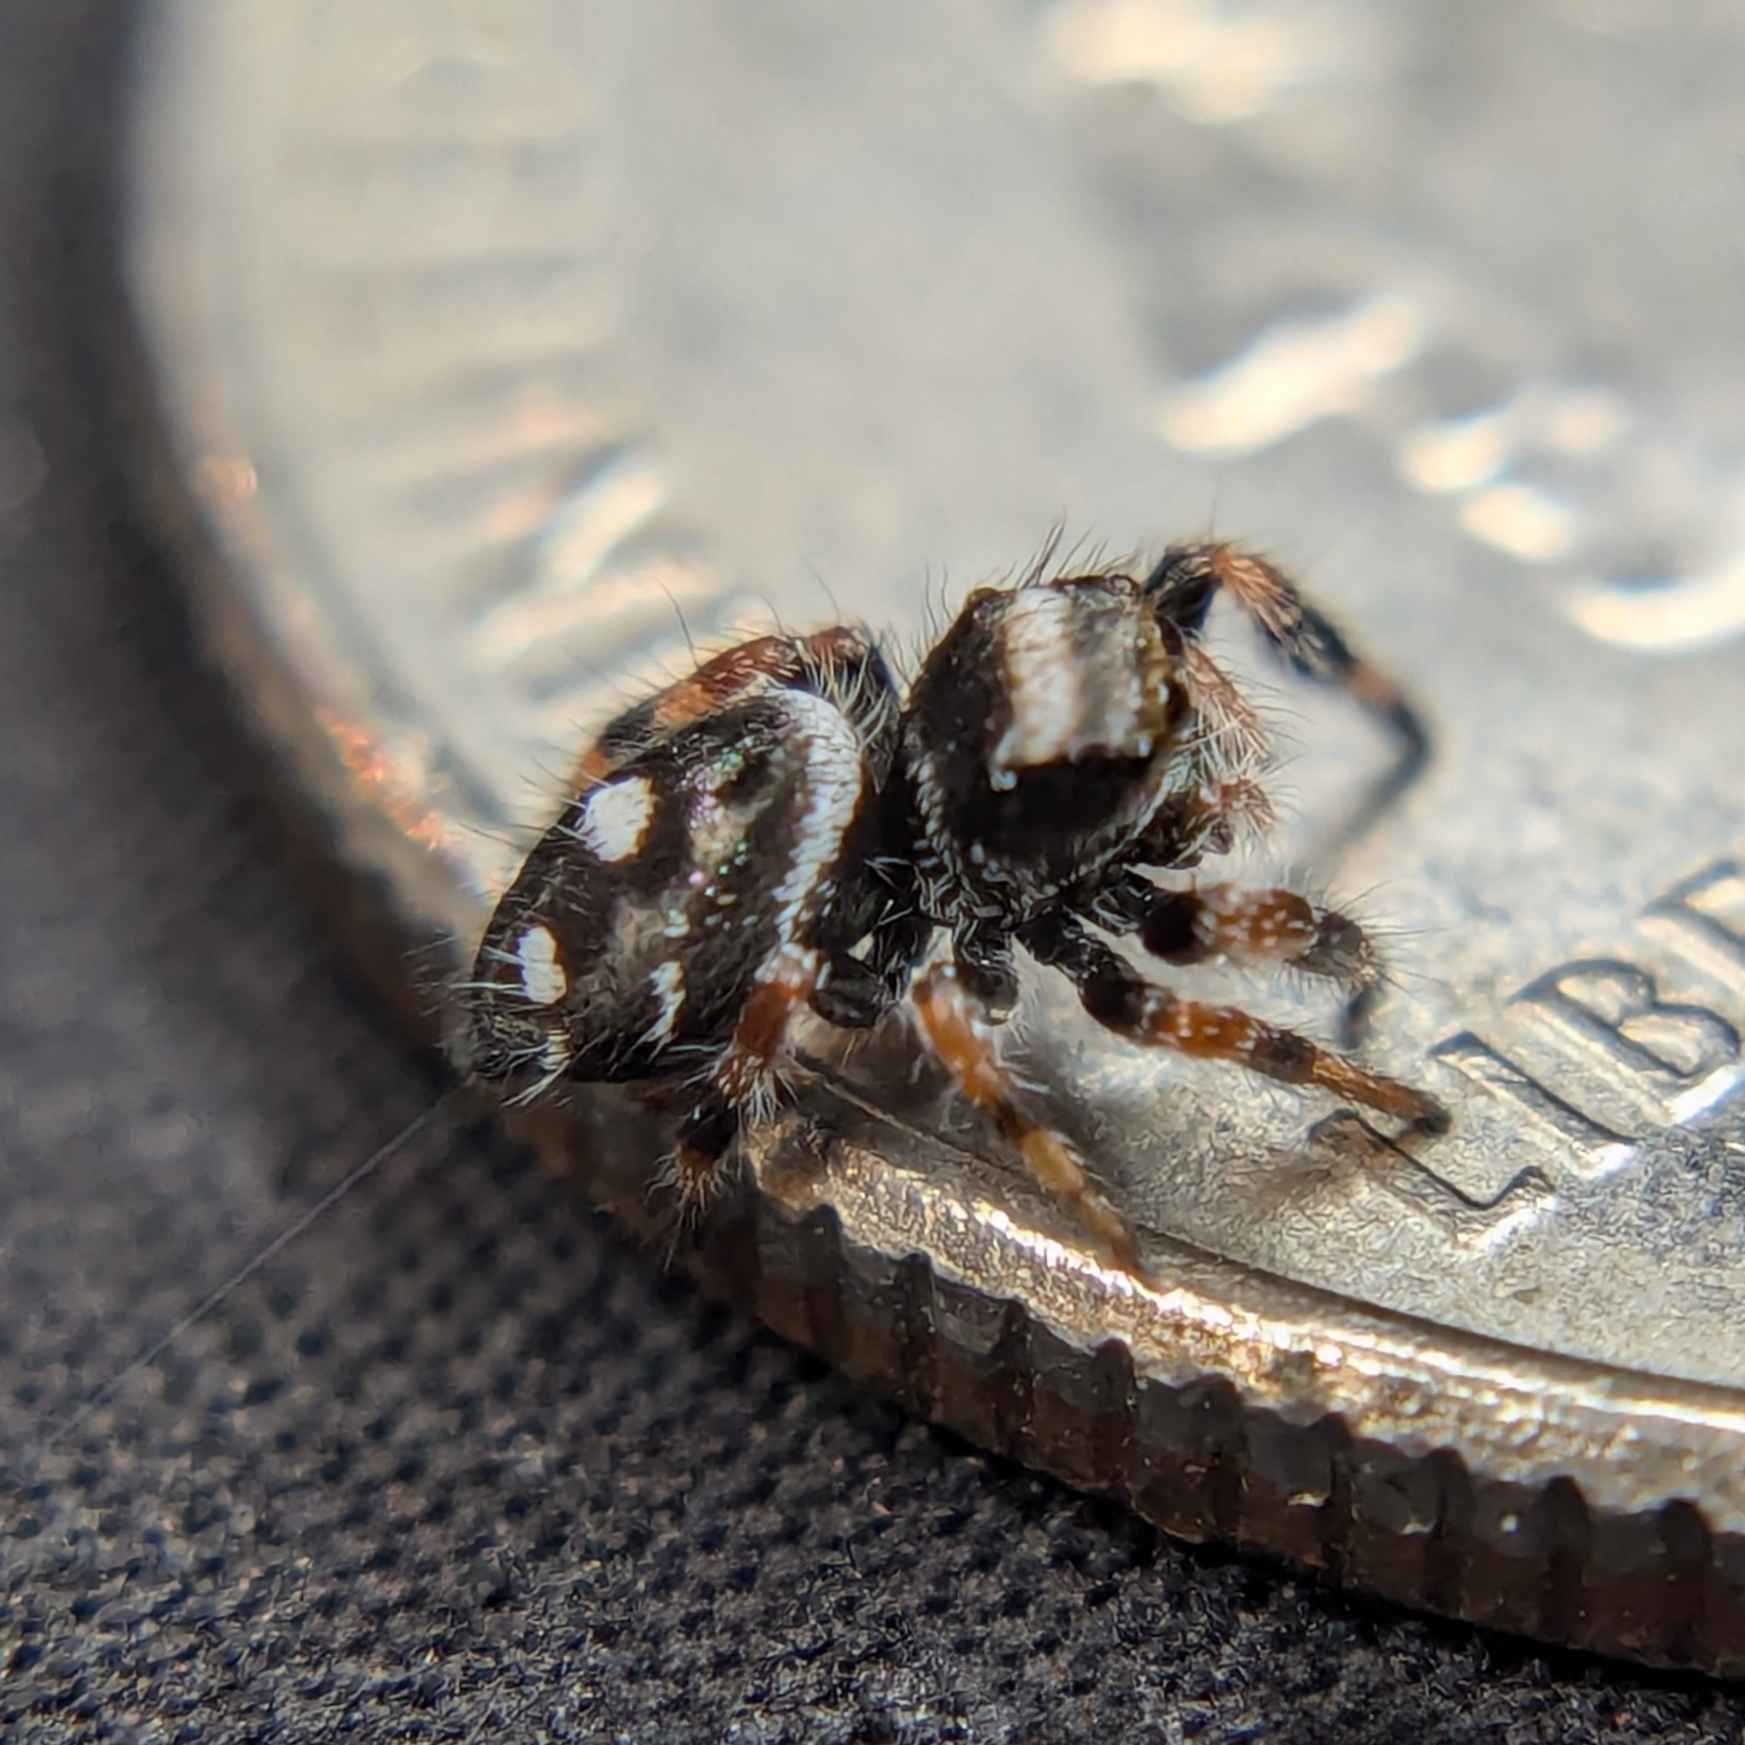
column 785, row 828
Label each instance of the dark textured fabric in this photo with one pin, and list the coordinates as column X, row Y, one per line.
column 460, row 1464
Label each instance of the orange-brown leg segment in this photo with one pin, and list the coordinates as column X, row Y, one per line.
column 955, row 1029
column 1183, row 584
column 1115, row 995
column 1261, row 926
column 742, row 1084
column 1265, row 926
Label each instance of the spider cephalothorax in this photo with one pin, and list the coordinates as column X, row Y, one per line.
column 785, row 829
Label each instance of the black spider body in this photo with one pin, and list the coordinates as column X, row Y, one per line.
column 1041, row 736
column 705, row 850
column 783, row 828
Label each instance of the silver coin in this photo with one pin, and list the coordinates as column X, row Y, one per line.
column 513, row 349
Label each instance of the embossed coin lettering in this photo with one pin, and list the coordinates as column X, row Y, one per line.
column 1607, row 1019
column 1685, row 1054
column 1710, row 907
column 1598, row 1149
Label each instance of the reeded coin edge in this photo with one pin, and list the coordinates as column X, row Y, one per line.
column 1584, row 1505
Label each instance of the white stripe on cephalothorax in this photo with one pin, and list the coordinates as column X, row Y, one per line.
column 615, row 817
column 1042, row 682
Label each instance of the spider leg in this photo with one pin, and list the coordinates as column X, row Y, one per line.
column 1182, row 585
column 850, row 994
column 698, row 1165
column 1144, row 1012
column 982, row 957
column 741, row 1085
column 854, row 993
column 957, row 1028
column 1250, row 926
column 898, row 945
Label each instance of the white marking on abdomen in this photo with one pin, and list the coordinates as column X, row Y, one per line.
column 668, row 982
column 833, row 779
column 543, row 978
column 615, row 818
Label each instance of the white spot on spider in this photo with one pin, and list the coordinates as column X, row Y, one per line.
column 668, row 982
column 543, row 979
column 615, row 819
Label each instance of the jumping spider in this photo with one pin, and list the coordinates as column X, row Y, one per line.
column 783, row 828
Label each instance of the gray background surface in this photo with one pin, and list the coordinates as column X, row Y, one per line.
column 462, row 1464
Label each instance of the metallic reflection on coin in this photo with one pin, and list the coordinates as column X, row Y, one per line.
column 511, row 349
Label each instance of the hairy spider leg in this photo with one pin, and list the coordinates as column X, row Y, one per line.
column 855, row 993
column 1145, row 1012
column 743, row 1085
column 1247, row 925
column 1183, row 583
column 957, row 1029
